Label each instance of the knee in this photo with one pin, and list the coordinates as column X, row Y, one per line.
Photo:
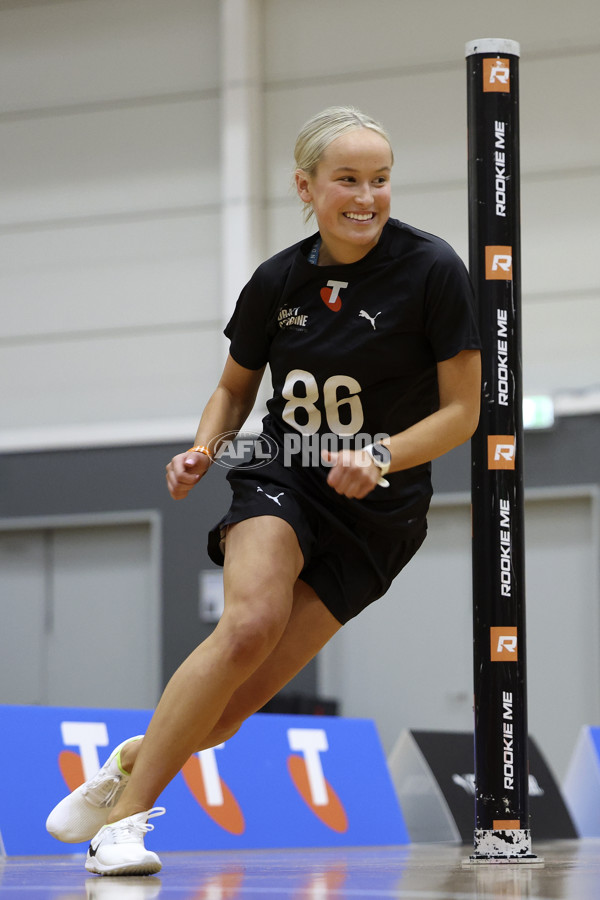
column 225, row 728
column 248, row 642
column 248, row 634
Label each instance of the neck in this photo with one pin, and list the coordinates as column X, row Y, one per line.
column 330, row 257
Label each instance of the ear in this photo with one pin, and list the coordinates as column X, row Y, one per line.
column 303, row 185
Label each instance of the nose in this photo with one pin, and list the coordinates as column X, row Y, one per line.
column 364, row 193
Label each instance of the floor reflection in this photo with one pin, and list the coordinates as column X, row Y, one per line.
column 421, row 872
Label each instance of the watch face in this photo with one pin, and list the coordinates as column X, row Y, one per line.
column 381, row 454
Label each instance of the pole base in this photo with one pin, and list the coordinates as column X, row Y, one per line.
column 510, row 846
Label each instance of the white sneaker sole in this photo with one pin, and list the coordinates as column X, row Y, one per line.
column 150, row 867
column 118, row 848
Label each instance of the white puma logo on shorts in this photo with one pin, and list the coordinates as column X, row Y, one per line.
column 274, row 499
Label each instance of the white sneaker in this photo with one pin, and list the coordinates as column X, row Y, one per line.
column 79, row 815
column 118, row 848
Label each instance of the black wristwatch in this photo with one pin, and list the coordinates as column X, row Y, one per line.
column 382, row 457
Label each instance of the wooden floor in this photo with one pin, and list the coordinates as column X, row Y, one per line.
column 570, row 869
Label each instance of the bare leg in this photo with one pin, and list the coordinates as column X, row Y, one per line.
column 309, row 628
column 262, row 565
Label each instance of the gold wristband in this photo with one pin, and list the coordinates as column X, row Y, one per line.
column 200, row 448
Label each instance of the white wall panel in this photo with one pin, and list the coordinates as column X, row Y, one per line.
column 285, row 225
column 101, row 50
column 326, row 37
column 437, row 209
column 426, row 121
column 121, row 274
column 560, row 234
column 556, row 98
column 109, row 229
column 110, row 172
column 560, row 344
column 108, row 161
column 166, row 374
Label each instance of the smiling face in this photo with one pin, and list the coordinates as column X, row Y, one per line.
column 350, row 194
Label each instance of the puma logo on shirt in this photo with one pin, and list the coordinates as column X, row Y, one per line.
column 365, row 315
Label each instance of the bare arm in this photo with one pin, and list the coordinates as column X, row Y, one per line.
column 453, row 423
column 226, row 411
column 459, row 381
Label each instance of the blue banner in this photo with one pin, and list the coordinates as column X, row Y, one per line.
column 581, row 788
column 280, row 782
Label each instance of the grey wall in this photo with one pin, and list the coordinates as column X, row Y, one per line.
column 132, row 478
column 565, row 455
column 123, row 479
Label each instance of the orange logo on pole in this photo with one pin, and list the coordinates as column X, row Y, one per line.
column 498, row 263
column 501, row 451
column 496, row 75
column 503, row 643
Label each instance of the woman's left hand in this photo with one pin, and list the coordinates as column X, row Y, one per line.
column 353, row 473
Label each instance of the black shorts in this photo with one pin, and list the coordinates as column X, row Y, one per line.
column 348, row 566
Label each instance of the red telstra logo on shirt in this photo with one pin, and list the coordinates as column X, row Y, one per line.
column 330, row 295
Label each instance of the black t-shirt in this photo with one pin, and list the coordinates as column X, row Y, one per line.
column 352, row 351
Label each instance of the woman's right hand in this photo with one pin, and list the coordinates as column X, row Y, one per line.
column 185, row 471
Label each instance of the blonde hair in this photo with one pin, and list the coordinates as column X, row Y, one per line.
column 319, row 132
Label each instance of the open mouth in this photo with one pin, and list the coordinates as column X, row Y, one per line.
column 359, row 217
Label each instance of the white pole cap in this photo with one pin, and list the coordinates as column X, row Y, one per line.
column 493, row 45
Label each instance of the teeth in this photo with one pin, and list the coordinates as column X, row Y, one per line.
column 360, row 217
